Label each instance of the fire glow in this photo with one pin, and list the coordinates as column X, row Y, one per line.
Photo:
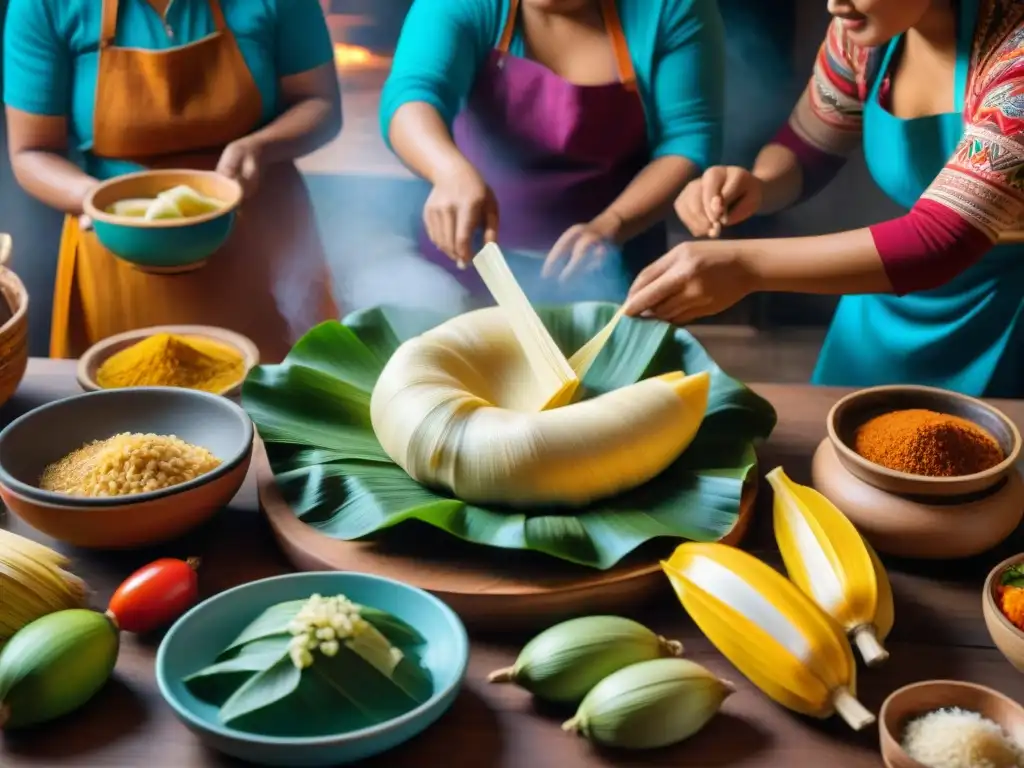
column 357, row 57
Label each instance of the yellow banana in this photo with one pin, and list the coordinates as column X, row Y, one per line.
column 33, row 583
column 770, row 630
column 832, row 563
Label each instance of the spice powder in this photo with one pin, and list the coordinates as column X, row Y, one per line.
column 923, row 442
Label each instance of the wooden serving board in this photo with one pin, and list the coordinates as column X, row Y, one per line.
column 490, row 588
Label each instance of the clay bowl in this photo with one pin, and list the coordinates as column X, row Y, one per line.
column 29, row 443
column 163, row 245
column 926, row 527
column 918, row 699
column 855, row 409
column 98, row 353
column 1008, row 639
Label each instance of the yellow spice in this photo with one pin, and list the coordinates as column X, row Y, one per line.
column 166, row 360
column 127, row 464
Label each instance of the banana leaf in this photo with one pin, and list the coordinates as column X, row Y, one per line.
column 257, row 688
column 312, row 412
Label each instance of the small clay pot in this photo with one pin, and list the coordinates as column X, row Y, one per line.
column 1008, row 639
column 929, row 527
column 918, row 699
column 855, row 409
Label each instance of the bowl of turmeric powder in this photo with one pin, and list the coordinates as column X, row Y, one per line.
column 1002, row 603
column 924, row 442
column 201, row 357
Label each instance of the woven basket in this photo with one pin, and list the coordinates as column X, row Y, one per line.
column 14, row 332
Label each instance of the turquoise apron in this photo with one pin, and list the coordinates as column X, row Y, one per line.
column 966, row 335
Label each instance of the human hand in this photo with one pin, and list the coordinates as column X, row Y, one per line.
column 241, row 161
column 693, row 280
column 583, row 247
column 459, row 204
column 725, row 195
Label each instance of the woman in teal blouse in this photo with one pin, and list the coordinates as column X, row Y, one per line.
column 243, row 86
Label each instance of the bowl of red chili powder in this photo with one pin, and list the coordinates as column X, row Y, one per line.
column 923, row 441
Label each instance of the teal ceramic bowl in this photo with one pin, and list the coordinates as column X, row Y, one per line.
column 201, row 634
column 163, row 245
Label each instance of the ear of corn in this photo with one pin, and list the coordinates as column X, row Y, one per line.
column 829, row 560
column 33, row 583
column 773, row 633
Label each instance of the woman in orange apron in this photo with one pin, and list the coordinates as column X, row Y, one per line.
column 238, row 85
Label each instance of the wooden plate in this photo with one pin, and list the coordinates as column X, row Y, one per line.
column 99, row 352
column 489, row 588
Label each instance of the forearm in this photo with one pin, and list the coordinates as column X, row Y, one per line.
column 842, row 263
column 302, row 128
column 648, row 198
column 421, row 139
column 778, row 169
column 53, row 179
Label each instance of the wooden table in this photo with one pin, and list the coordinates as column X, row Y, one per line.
column 939, row 633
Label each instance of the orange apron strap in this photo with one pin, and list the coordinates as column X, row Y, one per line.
column 623, row 61
column 64, row 289
column 219, row 24
column 510, row 27
column 108, row 23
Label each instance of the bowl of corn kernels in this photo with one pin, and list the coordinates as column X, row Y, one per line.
column 124, row 468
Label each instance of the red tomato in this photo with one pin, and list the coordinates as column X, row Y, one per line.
column 155, row 595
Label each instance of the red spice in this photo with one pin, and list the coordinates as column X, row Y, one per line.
column 922, row 442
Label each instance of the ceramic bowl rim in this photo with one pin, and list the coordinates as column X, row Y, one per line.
column 848, row 453
column 131, row 222
column 989, row 598
column 100, row 351
column 56, row 500
column 884, row 709
column 455, row 623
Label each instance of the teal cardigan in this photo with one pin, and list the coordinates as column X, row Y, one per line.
column 677, row 47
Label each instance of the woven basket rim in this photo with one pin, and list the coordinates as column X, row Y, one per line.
column 14, row 292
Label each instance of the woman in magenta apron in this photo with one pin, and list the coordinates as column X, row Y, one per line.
column 934, row 94
column 563, row 129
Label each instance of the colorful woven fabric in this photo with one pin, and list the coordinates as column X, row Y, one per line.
column 983, row 182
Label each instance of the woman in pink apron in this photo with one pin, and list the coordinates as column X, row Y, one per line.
column 562, row 129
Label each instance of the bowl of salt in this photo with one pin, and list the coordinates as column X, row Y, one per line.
column 952, row 724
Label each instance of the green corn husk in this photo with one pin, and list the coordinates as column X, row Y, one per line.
column 564, row 662
column 651, row 704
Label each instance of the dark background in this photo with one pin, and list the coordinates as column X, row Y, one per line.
column 771, row 45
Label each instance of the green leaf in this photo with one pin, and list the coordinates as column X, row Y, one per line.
column 350, row 677
column 336, row 478
column 273, row 621
column 1013, row 576
column 217, row 682
column 261, row 690
column 624, row 359
column 399, row 633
